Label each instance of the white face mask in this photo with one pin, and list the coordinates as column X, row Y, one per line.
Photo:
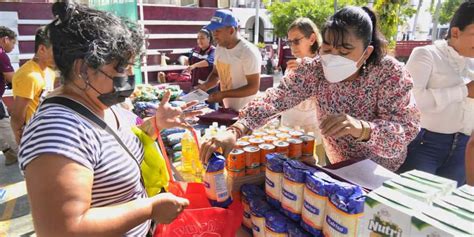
column 337, row 68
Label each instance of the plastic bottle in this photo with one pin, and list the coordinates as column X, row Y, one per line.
column 191, row 165
column 215, row 182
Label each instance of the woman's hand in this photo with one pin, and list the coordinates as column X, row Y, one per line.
column 292, row 64
column 341, row 125
column 168, row 116
column 188, row 69
column 225, row 140
column 166, row 207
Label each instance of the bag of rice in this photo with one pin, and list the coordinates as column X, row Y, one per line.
column 315, row 201
column 258, row 208
column 274, row 178
column 293, row 188
column 276, row 225
column 250, row 191
column 295, row 231
column 215, row 182
column 344, row 210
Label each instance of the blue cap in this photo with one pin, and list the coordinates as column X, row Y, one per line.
column 222, row 18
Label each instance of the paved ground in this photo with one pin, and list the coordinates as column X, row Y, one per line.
column 15, row 217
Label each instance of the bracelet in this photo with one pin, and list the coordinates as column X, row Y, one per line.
column 362, row 134
column 238, row 131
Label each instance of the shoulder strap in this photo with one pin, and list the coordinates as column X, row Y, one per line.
column 85, row 112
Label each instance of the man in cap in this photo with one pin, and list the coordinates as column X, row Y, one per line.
column 237, row 64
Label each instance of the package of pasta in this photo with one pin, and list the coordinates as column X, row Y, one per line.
column 258, row 208
column 274, row 178
column 249, row 192
column 315, row 202
column 344, row 210
column 276, row 224
column 295, row 230
column 293, row 188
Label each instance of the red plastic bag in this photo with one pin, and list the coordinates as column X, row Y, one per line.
column 200, row 219
column 178, row 77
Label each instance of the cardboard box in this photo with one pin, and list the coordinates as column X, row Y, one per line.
column 446, row 186
column 466, row 192
column 466, row 214
column 388, row 212
column 439, row 222
column 413, row 189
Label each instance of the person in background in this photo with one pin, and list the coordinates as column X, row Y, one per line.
column 440, row 72
column 7, row 139
column 237, row 64
column 304, row 40
column 470, row 161
column 32, row 82
column 201, row 58
column 364, row 99
column 80, row 180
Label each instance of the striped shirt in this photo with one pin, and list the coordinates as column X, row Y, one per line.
column 59, row 130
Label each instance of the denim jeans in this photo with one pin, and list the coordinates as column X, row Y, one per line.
column 439, row 154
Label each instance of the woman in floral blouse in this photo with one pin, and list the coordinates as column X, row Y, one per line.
column 364, row 99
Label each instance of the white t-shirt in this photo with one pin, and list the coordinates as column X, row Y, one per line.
column 439, row 85
column 233, row 65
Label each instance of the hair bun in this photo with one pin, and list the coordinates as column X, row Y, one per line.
column 63, row 10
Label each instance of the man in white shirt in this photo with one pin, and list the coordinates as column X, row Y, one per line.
column 440, row 72
column 237, row 64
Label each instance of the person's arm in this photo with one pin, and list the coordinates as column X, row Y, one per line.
column 253, row 84
column 420, row 66
column 68, row 211
column 8, row 76
column 212, row 80
column 18, row 115
column 398, row 119
column 199, row 64
column 470, row 161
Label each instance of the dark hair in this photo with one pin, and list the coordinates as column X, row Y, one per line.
column 97, row 37
column 307, row 27
column 362, row 23
column 463, row 17
column 42, row 38
column 208, row 34
column 4, row 31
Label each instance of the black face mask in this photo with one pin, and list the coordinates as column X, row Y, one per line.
column 123, row 88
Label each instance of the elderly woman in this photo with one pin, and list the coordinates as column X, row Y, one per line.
column 80, row 180
column 363, row 97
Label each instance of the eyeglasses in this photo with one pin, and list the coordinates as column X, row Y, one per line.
column 296, row 42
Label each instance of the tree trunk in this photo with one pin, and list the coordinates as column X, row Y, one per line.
column 434, row 32
column 415, row 22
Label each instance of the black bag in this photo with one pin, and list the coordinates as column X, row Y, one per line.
column 3, row 110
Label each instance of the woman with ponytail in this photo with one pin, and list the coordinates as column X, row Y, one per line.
column 363, row 96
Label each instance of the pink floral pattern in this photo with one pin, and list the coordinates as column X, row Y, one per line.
column 382, row 96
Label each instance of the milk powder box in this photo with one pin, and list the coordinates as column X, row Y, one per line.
column 388, row 212
column 434, row 222
column 461, row 212
column 460, row 203
column 414, row 189
column 447, row 186
column 466, row 192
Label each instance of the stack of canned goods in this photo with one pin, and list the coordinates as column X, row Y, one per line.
column 248, row 157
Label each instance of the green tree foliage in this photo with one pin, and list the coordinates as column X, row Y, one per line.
column 392, row 13
column 447, row 10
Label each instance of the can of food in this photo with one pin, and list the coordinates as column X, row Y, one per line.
column 236, row 174
column 270, row 139
column 296, row 134
column 245, row 138
column 284, row 129
column 271, row 132
column 252, row 157
column 236, row 160
column 308, row 145
column 256, row 141
column 259, row 134
column 283, row 136
column 241, row 144
column 282, row 147
column 264, row 150
column 252, row 171
column 295, row 149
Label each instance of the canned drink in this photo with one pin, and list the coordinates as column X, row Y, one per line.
column 241, row 144
column 270, row 139
column 296, row 134
column 256, row 141
column 252, row 171
column 283, row 136
column 259, row 134
column 236, row 160
column 282, row 147
column 308, row 145
column 296, row 148
column 236, row 174
column 264, row 150
column 252, row 157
